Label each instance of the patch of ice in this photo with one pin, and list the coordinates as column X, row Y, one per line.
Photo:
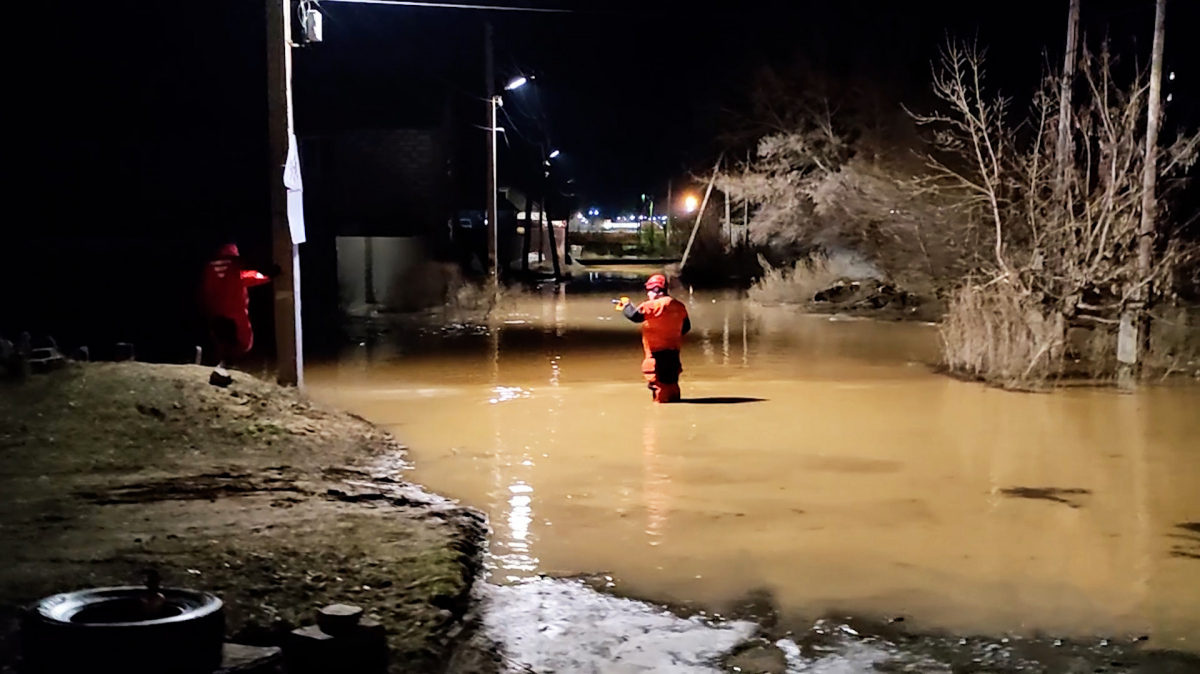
column 565, row 626
column 854, row 656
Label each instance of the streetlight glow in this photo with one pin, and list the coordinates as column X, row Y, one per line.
column 516, row 84
column 690, row 203
column 554, row 154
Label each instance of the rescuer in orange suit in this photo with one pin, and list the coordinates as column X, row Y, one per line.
column 664, row 322
column 227, row 307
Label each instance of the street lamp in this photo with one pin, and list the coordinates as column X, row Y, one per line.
column 493, row 200
column 554, row 153
column 690, row 203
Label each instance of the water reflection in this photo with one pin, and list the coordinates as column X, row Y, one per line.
column 655, row 483
column 520, row 517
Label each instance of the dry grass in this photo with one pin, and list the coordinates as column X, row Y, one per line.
column 1174, row 346
column 1003, row 336
column 475, row 302
column 800, row 282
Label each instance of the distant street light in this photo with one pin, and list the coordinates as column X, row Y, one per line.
column 554, row 154
column 690, row 203
column 516, row 84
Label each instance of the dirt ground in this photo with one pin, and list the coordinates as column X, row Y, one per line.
column 254, row 493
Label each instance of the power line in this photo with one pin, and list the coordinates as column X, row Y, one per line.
column 452, row 5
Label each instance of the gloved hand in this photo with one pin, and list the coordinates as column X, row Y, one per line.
column 619, row 305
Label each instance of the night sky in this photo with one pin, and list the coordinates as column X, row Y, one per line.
column 156, row 110
column 635, row 93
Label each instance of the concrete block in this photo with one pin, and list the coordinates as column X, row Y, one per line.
column 362, row 650
column 124, row 352
column 339, row 619
column 242, row 659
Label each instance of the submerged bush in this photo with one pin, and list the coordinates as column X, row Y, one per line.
column 1002, row 335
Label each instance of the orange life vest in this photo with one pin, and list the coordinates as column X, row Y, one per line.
column 663, row 326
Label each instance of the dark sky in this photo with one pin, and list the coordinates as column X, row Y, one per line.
column 634, row 92
column 156, row 111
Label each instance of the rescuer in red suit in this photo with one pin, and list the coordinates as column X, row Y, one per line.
column 227, row 307
column 664, row 322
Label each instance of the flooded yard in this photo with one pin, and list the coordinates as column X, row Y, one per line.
column 816, row 459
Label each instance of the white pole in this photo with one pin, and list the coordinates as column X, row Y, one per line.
column 493, row 201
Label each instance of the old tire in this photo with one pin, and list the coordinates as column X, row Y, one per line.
column 101, row 630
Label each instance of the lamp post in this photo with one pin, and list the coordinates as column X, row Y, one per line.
column 493, row 202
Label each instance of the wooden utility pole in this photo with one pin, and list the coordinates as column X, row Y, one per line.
column 1150, row 170
column 527, row 237
column 1135, row 324
column 492, row 207
column 746, row 223
column 728, row 221
column 289, row 353
column 746, row 209
column 700, row 214
column 670, row 210
column 553, row 243
column 1065, row 146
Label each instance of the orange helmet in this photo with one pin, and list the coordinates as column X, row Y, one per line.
column 656, row 282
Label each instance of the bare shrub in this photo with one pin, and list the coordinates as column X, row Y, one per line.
column 799, row 282
column 474, row 302
column 999, row 334
column 795, row 284
column 823, row 177
column 1098, row 353
column 1063, row 245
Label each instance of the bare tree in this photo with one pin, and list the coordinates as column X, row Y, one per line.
column 1064, row 251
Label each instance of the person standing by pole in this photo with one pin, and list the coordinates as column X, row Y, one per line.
column 227, row 307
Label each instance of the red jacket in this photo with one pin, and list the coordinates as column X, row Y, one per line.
column 664, row 323
column 224, row 286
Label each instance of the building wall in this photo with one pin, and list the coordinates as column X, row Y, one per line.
column 390, row 274
column 390, row 182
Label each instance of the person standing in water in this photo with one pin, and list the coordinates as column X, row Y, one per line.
column 664, row 322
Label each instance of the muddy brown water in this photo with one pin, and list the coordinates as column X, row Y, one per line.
column 817, row 458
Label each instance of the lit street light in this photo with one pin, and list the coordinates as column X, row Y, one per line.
column 690, row 203
column 493, row 214
column 554, row 154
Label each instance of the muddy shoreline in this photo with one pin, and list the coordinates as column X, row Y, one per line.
column 779, row 643
column 274, row 503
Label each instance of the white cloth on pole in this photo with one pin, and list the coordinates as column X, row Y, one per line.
column 295, row 191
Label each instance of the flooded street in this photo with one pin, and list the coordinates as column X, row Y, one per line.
column 821, row 460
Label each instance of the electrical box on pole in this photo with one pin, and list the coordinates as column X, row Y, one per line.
column 313, row 30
